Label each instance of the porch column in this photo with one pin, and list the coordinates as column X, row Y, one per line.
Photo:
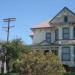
column 72, row 56
column 5, row 70
column 60, row 53
column 60, row 32
column 71, row 33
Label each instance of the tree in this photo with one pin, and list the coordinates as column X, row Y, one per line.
column 13, row 50
column 36, row 63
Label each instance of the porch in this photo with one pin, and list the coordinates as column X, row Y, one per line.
column 46, row 48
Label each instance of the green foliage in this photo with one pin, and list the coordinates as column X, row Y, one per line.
column 36, row 63
column 15, row 48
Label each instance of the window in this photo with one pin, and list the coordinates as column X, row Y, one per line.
column 66, row 33
column 55, row 51
column 65, row 18
column 74, row 32
column 56, row 35
column 65, row 53
column 48, row 37
column 74, row 53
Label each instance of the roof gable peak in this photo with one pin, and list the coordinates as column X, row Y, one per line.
column 66, row 8
column 64, row 11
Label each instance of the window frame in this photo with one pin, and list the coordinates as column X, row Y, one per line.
column 66, row 33
column 74, row 53
column 56, row 35
column 47, row 37
column 69, row 54
column 74, row 32
column 65, row 19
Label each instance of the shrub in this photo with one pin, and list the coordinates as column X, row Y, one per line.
column 36, row 63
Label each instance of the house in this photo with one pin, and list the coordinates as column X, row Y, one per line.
column 57, row 35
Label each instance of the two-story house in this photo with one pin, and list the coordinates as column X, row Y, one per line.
column 57, row 35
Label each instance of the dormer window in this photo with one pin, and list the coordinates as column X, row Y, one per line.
column 65, row 18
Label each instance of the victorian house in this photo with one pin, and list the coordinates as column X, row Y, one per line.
column 57, row 35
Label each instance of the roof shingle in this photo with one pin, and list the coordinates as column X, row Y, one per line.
column 44, row 24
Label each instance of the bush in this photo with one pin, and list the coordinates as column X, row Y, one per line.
column 36, row 63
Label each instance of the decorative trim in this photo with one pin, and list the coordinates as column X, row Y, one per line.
column 61, row 11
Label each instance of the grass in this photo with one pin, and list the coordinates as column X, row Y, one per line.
column 17, row 74
column 13, row 74
column 10, row 74
column 69, row 74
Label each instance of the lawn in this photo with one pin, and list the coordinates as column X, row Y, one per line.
column 69, row 74
column 10, row 74
column 17, row 74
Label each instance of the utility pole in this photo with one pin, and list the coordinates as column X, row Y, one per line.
column 8, row 20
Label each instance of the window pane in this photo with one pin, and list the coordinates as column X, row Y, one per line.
column 48, row 37
column 65, row 18
column 66, row 36
column 74, row 57
column 66, row 57
column 65, row 30
column 65, row 50
column 74, row 53
column 56, row 35
column 74, row 32
column 66, row 53
column 74, row 49
column 66, row 33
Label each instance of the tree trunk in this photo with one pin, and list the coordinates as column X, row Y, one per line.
column 7, row 65
column 2, row 67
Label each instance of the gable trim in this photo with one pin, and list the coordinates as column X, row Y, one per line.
column 61, row 11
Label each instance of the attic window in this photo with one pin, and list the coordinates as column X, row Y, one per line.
column 65, row 18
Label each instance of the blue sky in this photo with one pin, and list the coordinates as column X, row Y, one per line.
column 29, row 13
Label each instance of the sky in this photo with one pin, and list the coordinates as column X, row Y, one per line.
column 28, row 13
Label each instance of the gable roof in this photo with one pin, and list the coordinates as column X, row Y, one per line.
column 65, row 8
column 44, row 24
